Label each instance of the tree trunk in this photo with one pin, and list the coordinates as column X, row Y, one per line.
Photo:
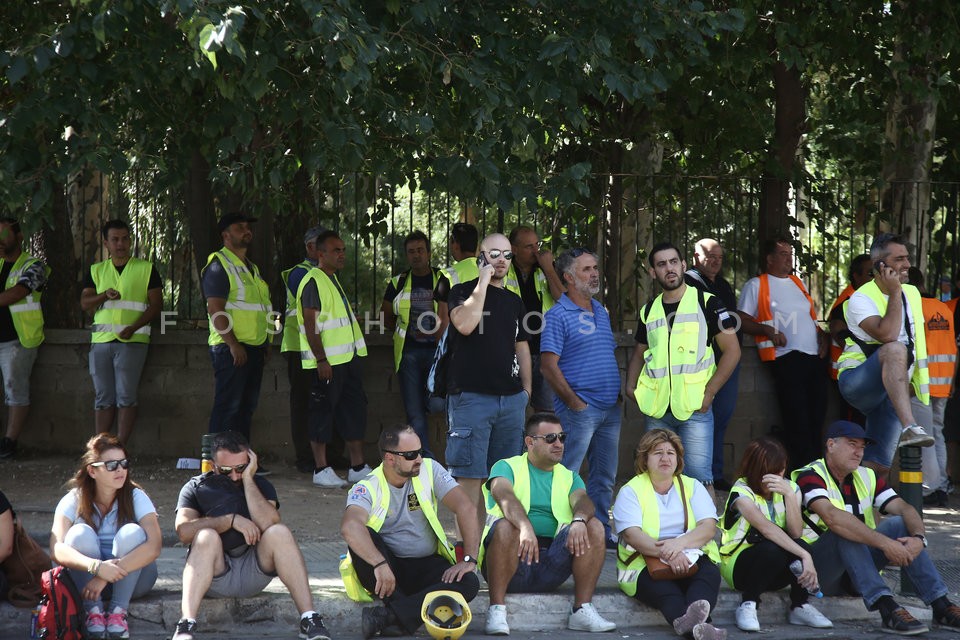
column 55, row 243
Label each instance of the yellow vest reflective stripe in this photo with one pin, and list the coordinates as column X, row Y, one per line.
column 646, row 496
column 865, row 484
column 376, row 484
column 560, row 487
column 26, row 314
column 462, row 271
column 678, row 362
column 114, row 316
column 512, row 283
column 401, row 309
column 336, row 324
column 291, row 331
column 248, row 302
column 733, row 540
column 853, row 356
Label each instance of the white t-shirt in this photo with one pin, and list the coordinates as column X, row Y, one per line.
column 791, row 313
column 627, row 512
column 108, row 526
column 862, row 307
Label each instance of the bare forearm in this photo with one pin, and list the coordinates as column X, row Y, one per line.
column 262, row 513
column 188, row 530
column 467, row 317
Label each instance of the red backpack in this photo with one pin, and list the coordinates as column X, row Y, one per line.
column 61, row 614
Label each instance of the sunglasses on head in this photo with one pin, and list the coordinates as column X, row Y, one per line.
column 493, row 254
column 407, row 455
column 225, row 470
column 111, row 465
column 550, row 438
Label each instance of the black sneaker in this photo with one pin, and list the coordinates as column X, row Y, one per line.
column 185, row 629
column 949, row 617
column 263, row 471
column 8, row 448
column 373, row 620
column 900, row 622
column 312, row 628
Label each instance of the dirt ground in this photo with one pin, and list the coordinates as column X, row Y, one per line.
column 34, row 485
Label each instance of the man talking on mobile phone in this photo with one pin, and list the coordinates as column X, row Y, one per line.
column 884, row 358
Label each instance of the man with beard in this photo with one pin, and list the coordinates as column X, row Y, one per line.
column 397, row 543
column 125, row 294
column 579, row 361
column 489, row 370
column 21, row 327
column 798, row 367
column 238, row 306
column 675, row 383
column 229, row 518
column 884, row 358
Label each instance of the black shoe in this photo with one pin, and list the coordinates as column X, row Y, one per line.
column 8, row 448
column 263, row 471
column 949, row 617
column 373, row 620
column 312, row 628
column 721, row 484
column 185, row 629
column 900, row 622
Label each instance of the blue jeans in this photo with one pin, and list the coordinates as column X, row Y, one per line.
column 723, row 405
column 594, row 434
column 696, row 434
column 138, row 582
column 412, row 374
column 542, row 397
column 834, row 556
column 236, row 389
column 863, row 388
column 482, row 430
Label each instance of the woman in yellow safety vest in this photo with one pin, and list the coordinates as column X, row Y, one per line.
column 661, row 514
column 760, row 540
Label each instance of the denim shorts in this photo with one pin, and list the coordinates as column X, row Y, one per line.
column 115, row 368
column 862, row 387
column 483, row 429
column 553, row 569
column 16, row 363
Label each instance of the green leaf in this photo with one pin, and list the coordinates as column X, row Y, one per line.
column 17, row 70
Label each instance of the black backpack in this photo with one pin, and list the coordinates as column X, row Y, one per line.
column 438, row 376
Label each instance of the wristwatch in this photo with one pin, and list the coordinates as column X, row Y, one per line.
column 578, row 519
column 923, row 539
column 470, row 559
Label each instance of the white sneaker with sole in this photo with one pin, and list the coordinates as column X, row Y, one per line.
column 587, row 618
column 807, row 616
column 497, row 621
column 328, row 478
column 747, row 616
column 357, row 476
column 913, row 435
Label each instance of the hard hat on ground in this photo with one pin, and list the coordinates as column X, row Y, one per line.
column 445, row 615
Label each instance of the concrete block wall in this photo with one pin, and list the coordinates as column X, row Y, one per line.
column 176, row 394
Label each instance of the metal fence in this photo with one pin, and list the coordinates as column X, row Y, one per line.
column 832, row 220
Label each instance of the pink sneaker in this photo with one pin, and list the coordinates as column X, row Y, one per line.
column 96, row 624
column 117, row 624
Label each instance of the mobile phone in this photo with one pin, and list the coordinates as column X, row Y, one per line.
column 482, row 260
column 879, row 266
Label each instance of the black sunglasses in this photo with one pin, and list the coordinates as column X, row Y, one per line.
column 225, row 470
column 493, row 254
column 550, row 438
column 407, row 455
column 111, row 465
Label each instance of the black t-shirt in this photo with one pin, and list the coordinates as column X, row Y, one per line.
column 421, row 304
column 7, row 331
column 442, row 291
column 486, row 361
column 534, row 308
column 154, row 283
column 212, row 494
column 714, row 312
column 721, row 289
column 5, row 505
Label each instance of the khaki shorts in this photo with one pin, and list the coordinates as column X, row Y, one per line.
column 243, row 577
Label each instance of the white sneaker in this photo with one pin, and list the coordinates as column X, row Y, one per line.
column 807, row 616
column 587, row 618
column 913, row 435
column 497, row 620
column 747, row 616
column 357, row 476
column 328, row 478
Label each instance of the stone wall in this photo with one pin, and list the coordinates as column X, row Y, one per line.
column 177, row 389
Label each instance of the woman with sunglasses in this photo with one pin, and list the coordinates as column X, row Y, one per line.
column 106, row 533
column 761, row 530
column 668, row 518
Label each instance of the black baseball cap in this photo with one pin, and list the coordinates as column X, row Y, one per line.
column 847, row 429
column 232, row 218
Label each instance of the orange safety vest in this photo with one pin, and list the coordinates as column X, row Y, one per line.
column 765, row 347
column 941, row 346
column 837, row 349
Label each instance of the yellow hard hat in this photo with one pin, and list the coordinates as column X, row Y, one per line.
column 445, row 614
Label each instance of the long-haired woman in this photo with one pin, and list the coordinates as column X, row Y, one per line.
column 106, row 533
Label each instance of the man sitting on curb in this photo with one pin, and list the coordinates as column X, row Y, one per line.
column 238, row 545
column 397, row 545
column 849, row 547
column 541, row 529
